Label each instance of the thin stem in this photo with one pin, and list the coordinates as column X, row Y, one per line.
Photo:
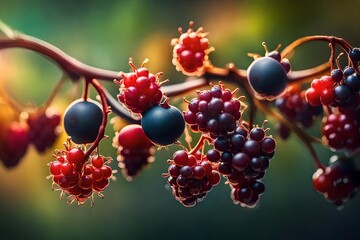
column 199, row 144
column 106, row 111
column 54, row 92
column 331, row 39
column 10, row 101
column 86, row 89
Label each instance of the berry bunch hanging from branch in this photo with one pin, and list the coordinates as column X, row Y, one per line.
column 231, row 145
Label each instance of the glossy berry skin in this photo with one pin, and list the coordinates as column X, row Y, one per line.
column 14, row 146
column 77, row 178
column 338, row 182
column 191, row 50
column 133, row 136
column 191, row 177
column 82, row 120
column 139, row 90
column 214, row 112
column 163, row 125
column 135, row 150
column 267, row 77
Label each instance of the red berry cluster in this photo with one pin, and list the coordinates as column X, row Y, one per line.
column 80, row 178
column 214, row 111
column 43, row 129
column 340, row 89
column 337, row 182
column 13, row 144
column 341, row 130
column 243, row 159
column 139, row 90
column 191, row 50
column 321, row 91
column 296, row 109
column 135, row 150
column 191, row 178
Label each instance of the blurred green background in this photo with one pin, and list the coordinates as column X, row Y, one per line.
column 105, row 34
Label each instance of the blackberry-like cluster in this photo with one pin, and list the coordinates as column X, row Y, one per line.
column 247, row 194
column 337, row 182
column 214, row 112
column 191, row 50
column 191, row 178
column 340, row 89
column 341, row 130
column 243, row 158
column 295, row 108
column 79, row 178
column 139, row 90
column 44, row 129
column 135, row 150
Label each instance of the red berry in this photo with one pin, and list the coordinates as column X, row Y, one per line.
column 97, row 161
column 76, row 156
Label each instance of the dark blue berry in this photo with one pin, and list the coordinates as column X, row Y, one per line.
column 353, row 82
column 163, row 125
column 82, row 121
column 336, row 75
column 258, row 187
column 342, row 93
column 267, row 77
column 221, row 143
column 355, row 54
column 348, row 71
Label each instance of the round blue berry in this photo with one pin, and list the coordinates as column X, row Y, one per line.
column 163, row 125
column 82, row 120
column 267, row 77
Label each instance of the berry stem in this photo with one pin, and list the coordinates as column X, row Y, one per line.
column 199, row 144
column 331, row 39
column 98, row 87
column 54, row 92
column 86, row 89
column 10, row 101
